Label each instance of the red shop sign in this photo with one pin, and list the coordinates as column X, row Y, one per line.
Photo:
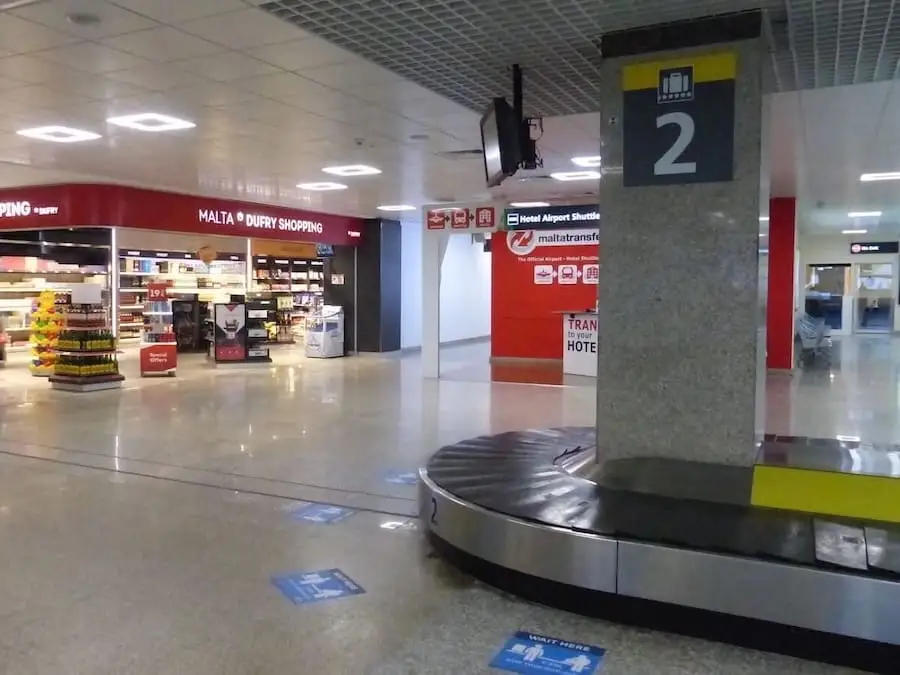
column 95, row 205
column 157, row 292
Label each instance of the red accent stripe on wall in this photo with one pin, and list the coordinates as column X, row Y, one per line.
column 780, row 302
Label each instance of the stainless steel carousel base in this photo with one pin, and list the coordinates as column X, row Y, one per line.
column 574, row 560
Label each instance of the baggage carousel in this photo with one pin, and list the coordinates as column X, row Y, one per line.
column 665, row 544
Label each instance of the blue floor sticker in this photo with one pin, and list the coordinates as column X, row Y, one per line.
column 303, row 588
column 321, row 513
column 402, row 477
column 530, row 653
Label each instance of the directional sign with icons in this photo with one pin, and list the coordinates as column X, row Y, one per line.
column 566, row 274
column 303, row 588
column 581, row 216
column 678, row 120
column 461, row 218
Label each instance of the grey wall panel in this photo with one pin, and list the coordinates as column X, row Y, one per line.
column 832, row 602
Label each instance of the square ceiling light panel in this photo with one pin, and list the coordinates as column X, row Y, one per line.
column 151, row 122
column 396, row 207
column 59, row 134
column 352, row 170
column 321, row 187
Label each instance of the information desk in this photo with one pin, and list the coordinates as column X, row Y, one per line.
column 580, row 343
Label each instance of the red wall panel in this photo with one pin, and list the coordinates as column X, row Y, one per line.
column 780, row 301
column 535, row 277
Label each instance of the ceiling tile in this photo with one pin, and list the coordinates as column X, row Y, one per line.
column 113, row 20
column 228, row 66
column 351, row 74
column 92, row 58
column 215, row 94
column 302, row 54
column 18, row 36
column 27, row 68
column 163, row 44
column 156, row 77
column 242, row 29
column 277, row 86
column 175, row 11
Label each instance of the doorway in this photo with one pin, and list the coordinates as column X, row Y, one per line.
column 874, row 298
column 825, row 290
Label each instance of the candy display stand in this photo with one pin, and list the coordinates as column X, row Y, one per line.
column 46, row 324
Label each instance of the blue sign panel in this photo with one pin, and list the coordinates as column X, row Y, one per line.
column 321, row 513
column 530, row 653
column 303, row 588
column 402, row 477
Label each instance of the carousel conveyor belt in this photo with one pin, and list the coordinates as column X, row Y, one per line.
column 669, row 544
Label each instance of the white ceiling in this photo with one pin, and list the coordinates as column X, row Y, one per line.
column 822, row 140
column 272, row 104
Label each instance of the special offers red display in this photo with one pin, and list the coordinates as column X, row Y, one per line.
column 536, row 275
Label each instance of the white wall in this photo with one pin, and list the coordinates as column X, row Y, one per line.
column 835, row 249
column 411, row 284
column 465, row 288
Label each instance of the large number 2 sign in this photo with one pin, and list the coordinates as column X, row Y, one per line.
column 668, row 164
column 678, row 120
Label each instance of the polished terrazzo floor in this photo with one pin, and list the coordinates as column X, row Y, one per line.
column 140, row 528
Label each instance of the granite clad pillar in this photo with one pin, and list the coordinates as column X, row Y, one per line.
column 680, row 311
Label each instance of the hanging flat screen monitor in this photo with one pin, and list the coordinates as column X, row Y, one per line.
column 500, row 132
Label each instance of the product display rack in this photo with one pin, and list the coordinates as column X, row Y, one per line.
column 258, row 312
column 23, row 279
column 283, row 329
column 186, row 274
column 159, row 346
column 46, row 324
column 86, row 354
column 304, row 279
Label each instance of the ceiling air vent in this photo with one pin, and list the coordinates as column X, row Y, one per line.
column 461, row 154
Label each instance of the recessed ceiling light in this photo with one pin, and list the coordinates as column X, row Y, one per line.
column 352, row 170
column 58, row 134
column 589, row 162
column 854, row 231
column 528, row 205
column 886, row 175
column 321, row 187
column 396, row 207
column 151, row 122
column 575, row 175
column 864, row 214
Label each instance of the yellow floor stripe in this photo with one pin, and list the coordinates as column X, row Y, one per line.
column 827, row 492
